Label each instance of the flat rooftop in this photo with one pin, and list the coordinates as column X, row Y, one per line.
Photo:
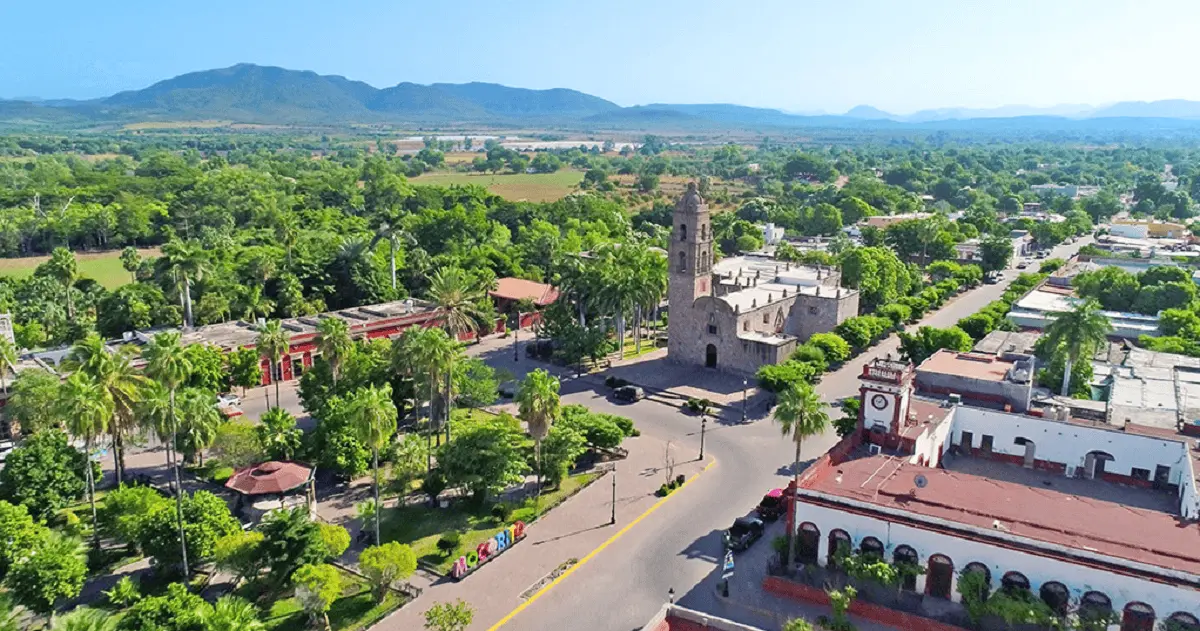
column 767, row 269
column 971, row 365
column 1088, row 522
column 1008, row 342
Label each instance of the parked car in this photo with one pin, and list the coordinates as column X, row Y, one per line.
column 1022, row 265
column 772, row 505
column 629, row 394
column 743, row 533
column 991, row 278
column 228, row 400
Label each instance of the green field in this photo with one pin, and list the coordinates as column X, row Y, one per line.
column 105, row 268
column 534, row 187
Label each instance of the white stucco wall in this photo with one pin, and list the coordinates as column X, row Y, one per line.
column 1069, row 444
column 930, row 443
column 1165, row 599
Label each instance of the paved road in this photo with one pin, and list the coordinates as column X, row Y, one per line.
column 674, row 548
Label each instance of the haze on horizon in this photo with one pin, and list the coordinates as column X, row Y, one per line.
column 797, row 56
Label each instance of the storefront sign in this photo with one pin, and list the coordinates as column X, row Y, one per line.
column 487, row 551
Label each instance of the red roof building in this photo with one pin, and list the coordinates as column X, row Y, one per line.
column 511, row 290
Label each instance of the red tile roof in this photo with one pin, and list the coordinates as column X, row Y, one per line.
column 1134, row 534
column 520, row 289
column 269, row 478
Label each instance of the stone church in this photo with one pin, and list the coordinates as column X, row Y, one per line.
column 742, row 312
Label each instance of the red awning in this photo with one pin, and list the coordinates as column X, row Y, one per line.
column 269, row 478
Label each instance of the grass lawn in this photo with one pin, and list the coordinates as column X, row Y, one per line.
column 535, row 187
column 421, row 526
column 629, row 349
column 103, row 267
column 357, row 609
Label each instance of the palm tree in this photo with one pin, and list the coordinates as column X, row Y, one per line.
column 88, row 408
column 1077, row 333
column 287, row 232
column 334, row 343
column 278, row 434
column 187, row 263
column 800, row 414
column 168, row 364
column 231, row 613
column 273, row 341
column 115, row 373
column 537, row 400
column 441, row 353
column 64, row 268
column 8, row 360
column 253, row 304
column 458, row 299
column 131, row 260
column 391, row 233
column 373, row 417
column 928, row 229
column 200, row 420
column 84, row 619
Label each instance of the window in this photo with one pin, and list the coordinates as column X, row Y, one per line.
column 712, row 329
column 745, row 325
column 766, row 319
column 703, row 231
column 987, row 443
column 683, row 261
column 968, row 441
column 683, row 232
column 1140, row 474
column 812, row 311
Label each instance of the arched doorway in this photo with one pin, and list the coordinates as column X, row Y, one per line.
column 809, row 544
column 871, row 547
column 1137, row 617
column 710, row 356
column 1014, row 582
column 906, row 557
column 1030, row 451
column 1094, row 605
column 941, row 576
column 1182, row 621
column 1094, row 464
column 985, row 586
column 839, row 540
column 1056, row 596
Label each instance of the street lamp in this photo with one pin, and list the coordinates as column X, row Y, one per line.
column 671, row 595
column 703, row 425
column 516, row 334
column 745, row 384
column 613, row 520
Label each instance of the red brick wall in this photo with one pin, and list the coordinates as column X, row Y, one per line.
column 881, row 615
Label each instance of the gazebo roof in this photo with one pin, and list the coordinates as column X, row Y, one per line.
column 269, row 478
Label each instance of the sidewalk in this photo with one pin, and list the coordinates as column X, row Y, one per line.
column 569, row 532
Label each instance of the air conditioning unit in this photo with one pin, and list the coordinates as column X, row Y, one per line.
column 875, row 450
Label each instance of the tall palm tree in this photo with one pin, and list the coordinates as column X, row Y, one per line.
column 619, row 291
column 278, row 434
column 64, row 268
column 452, row 290
column 800, row 414
column 1077, row 333
column 441, row 354
column 287, row 231
column 199, row 421
column 168, row 364
column 253, row 304
column 231, row 613
column 373, row 417
column 273, row 341
column 392, row 233
column 187, row 263
column 88, row 408
column 334, row 343
column 115, row 373
column 928, row 229
column 537, row 400
column 8, row 361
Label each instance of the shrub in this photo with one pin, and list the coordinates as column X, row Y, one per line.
column 449, row 542
column 663, row 491
column 221, row 474
column 502, row 511
column 898, row 314
column 679, row 480
column 835, row 348
column 812, row 355
column 778, row 377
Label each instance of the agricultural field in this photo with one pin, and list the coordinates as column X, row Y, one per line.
column 534, row 187
column 103, row 267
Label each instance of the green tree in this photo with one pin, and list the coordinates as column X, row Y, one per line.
column 32, row 406
column 1114, row 288
column 291, row 539
column 1076, row 334
column 996, row 252
column 240, row 554
column 928, row 340
column 317, row 586
column 334, row 343
column 237, row 444
column 278, row 434
column 206, row 518
column 562, row 446
column 798, row 624
column 537, row 401
column 44, row 474
column 800, row 414
column 168, row 365
column 176, row 610
column 85, row 619
column 373, row 417
column 200, row 421
column 273, row 342
column 231, row 613
column 128, row 511
column 245, row 368
column 63, row 268
column 186, row 263
column 455, row 616
column 8, row 361
column 88, row 409
column 131, row 260
column 118, row 381
column 385, row 564
column 53, row 571
column 835, row 348
column 19, row 534
column 485, row 456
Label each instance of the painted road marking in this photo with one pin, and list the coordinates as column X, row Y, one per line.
column 532, row 599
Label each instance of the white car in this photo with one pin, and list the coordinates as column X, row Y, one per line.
column 228, row 400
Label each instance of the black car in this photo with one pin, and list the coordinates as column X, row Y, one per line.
column 629, row 394
column 772, row 505
column 743, row 533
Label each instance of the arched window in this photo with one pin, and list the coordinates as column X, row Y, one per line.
column 683, row 232
column 872, row 547
column 1014, row 582
column 809, row 544
column 683, row 261
column 906, row 557
column 839, row 541
column 1182, row 621
column 940, row 576
column 1094, row 605
column 1056, row 596
column 703, row 231
column 985, row 589
column 1137, row 617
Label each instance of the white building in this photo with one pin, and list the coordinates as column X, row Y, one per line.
column 1089, row 518
column 772, row 234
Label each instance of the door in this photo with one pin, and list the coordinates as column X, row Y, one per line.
column 1162, row 477
column 1030, row 453
column 967, row 443
column 941, row 576
column 710, row 356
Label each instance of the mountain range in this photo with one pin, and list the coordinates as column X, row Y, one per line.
column 248, row 93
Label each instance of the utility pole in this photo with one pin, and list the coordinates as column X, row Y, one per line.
column 516, row 334
column 703, row 426
column 745, row 384
column 613, row 520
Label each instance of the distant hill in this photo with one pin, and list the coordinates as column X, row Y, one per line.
column 249, row 93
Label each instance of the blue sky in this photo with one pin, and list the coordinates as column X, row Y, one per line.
column 799, row 54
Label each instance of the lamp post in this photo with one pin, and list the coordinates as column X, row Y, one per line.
column 703, row 426
column 613, row 520
column 745, row 384
column 516, row 334
column 671, row 595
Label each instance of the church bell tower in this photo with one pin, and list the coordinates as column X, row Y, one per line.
column 690, row 263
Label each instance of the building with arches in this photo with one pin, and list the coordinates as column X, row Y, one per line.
column 742, row 312
column 1091, row 519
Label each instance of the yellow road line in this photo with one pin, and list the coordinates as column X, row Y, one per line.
column 584, row 560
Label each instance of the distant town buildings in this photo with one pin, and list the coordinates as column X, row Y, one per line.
column 1074, row 191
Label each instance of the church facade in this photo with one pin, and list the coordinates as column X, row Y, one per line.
column 740, row 313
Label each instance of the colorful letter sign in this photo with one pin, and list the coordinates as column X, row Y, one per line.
column 487, row 550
